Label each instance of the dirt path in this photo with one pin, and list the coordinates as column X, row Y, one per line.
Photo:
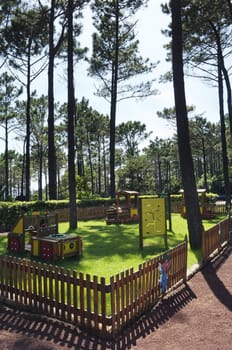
column 196, row 316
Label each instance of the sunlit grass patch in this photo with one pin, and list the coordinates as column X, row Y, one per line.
column 111, row 249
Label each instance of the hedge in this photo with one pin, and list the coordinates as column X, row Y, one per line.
column 10, row 211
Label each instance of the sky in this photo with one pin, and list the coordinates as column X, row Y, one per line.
column 150, row 22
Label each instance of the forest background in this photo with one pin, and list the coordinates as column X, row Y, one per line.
column 150, row 170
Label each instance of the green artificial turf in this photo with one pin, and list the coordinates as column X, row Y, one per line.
column 111, row 249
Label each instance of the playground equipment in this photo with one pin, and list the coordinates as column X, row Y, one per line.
column 56, row 246
column 205, row 208
column 152, row 223
column 37, row 233
column 29, row 225
column 125, row 209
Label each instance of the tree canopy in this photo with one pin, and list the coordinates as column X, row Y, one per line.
column 72, row 150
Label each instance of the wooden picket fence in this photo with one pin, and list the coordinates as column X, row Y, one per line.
column 88, row 213
column 214, row 239
column 219, row 209
column 99, row 212
column 88, row 301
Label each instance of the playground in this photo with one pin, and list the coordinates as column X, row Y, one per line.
column 194, row 316
column 122, row 287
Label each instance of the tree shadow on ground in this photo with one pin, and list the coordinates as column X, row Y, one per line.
column 214, row 282
column 158, row 316
column 36, row 328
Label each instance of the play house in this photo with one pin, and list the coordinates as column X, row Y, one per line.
column 37, row 233
column 125, row 209
column 56, row 246
column 28, row 225
column 205, row 207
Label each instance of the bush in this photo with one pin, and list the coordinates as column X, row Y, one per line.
column 9, row 212
column 8, row 215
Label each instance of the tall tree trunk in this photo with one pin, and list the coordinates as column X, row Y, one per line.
column 46, row 183
column 28, row 124
column 185, row 154
column 104, row 165
column 99, row 164
column 112, row 138
column 225, row 162
column 79, row 150
column 23, row 170
column 90, row 161
column 160, row 185
column 204, row 165
column 71, row 116
column 80, row 160
column 225, row 73
column 51, row 137
column 6, row 157
column 40, row 175
column 114, row 107
column 229, row 95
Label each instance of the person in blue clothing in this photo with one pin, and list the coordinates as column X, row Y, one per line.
column 163, row 269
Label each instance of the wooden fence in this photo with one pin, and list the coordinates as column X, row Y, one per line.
column 214, row 238
column 218, row 209
column 99, row 212
column 92, row 302
column 88, row 301
column 88, row 213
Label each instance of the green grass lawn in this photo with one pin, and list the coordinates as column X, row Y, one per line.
column 110, row 249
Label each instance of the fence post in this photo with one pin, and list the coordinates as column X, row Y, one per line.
column 112, row 302
column 203, row 246
column 103, row 305
column 186, row 256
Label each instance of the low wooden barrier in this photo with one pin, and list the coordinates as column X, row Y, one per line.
column 219, row 209
column 88, row 301
column 88, row 213
column 99, row 212
column 214, row 238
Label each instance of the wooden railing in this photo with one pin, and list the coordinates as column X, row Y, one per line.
column 92, row 302
column 88, row 301
column 218, row 209
column 99, row 212
column 214, row 238
column 88, row 213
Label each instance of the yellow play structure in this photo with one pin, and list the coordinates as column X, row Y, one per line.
column 37, row 232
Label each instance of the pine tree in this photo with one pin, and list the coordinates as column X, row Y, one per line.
column 115, row 60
